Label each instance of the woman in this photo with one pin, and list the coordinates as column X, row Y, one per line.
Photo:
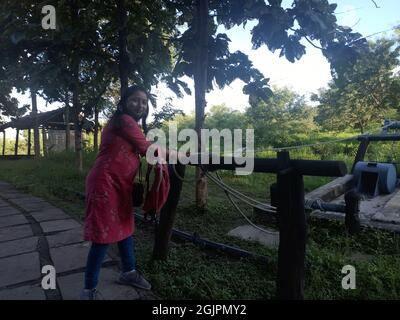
column 109, row 183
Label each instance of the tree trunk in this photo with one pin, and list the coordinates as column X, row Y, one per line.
column 77, row 123
column 67, row 127
column 122, row 44
column 36, row 139
column 75, row 93
column 200, row 85
column 96, row 128
column 16, row 142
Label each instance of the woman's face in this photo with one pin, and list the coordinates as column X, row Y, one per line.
column 136, row 105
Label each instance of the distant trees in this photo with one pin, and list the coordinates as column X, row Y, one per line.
column 366, row 93
column 277, row 120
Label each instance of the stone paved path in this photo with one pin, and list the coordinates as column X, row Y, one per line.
column 34, row 233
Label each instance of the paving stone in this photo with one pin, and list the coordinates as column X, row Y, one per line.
column 17, row 232
column 8, row 211
column 15, row 247
column 35, row 206
column 59, row 225
column 14, row 220
column 71, row 257
column 65, row 238
column 21, row 268
column 13, row 195
column 28, row 199
column 33, row 292
column 72, row 285
column 49, row 214
column 3, row 203
column 248, row 232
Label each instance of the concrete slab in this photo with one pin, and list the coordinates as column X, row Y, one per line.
column 8, row 211
column 13, row 220
column 65, row 238
column 17, row 232
column 390, row 212
column 59, row 225
column 49, row 214
column 72, row 285
column 14, row 247
column 71, row 257
column 18, row 269
column 248, row 232
column 33, row 292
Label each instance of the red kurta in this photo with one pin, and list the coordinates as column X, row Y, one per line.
column 109, row 183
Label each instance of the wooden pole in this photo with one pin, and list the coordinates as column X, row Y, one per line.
column 362, row 149
column 67, row 127
column 4, row 143
column 16, row 142
column 292, row 231
column 168, row 213
column 44, row 141
column 29, row 142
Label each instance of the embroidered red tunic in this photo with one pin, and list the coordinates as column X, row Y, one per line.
column 109, row 183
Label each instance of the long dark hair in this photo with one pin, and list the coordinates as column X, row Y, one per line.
column 121, row 107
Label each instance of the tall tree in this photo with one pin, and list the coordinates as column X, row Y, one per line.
column 366, row 93
column 280, row 28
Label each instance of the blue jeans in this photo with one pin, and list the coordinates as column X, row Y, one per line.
column 96, row 256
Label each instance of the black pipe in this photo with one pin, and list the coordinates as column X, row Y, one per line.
column 203, row 242
column 326, row 206
column 195, row 239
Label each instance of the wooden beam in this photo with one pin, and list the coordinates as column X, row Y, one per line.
column 304, row 167
column 380, row 137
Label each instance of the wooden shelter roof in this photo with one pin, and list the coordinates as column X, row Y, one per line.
column 51, row 120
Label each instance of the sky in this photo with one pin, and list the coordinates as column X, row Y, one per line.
column 305, row 76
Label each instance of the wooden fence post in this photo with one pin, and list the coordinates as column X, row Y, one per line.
column 29, row 142
column 292, row 231
column 168, row 213
column 4, row 143
column 352, row 220
column 16, row 142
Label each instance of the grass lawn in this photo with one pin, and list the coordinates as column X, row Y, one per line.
column 192, row 273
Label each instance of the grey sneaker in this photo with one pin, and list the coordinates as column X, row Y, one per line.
column 90, row 294
column 134, row 278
